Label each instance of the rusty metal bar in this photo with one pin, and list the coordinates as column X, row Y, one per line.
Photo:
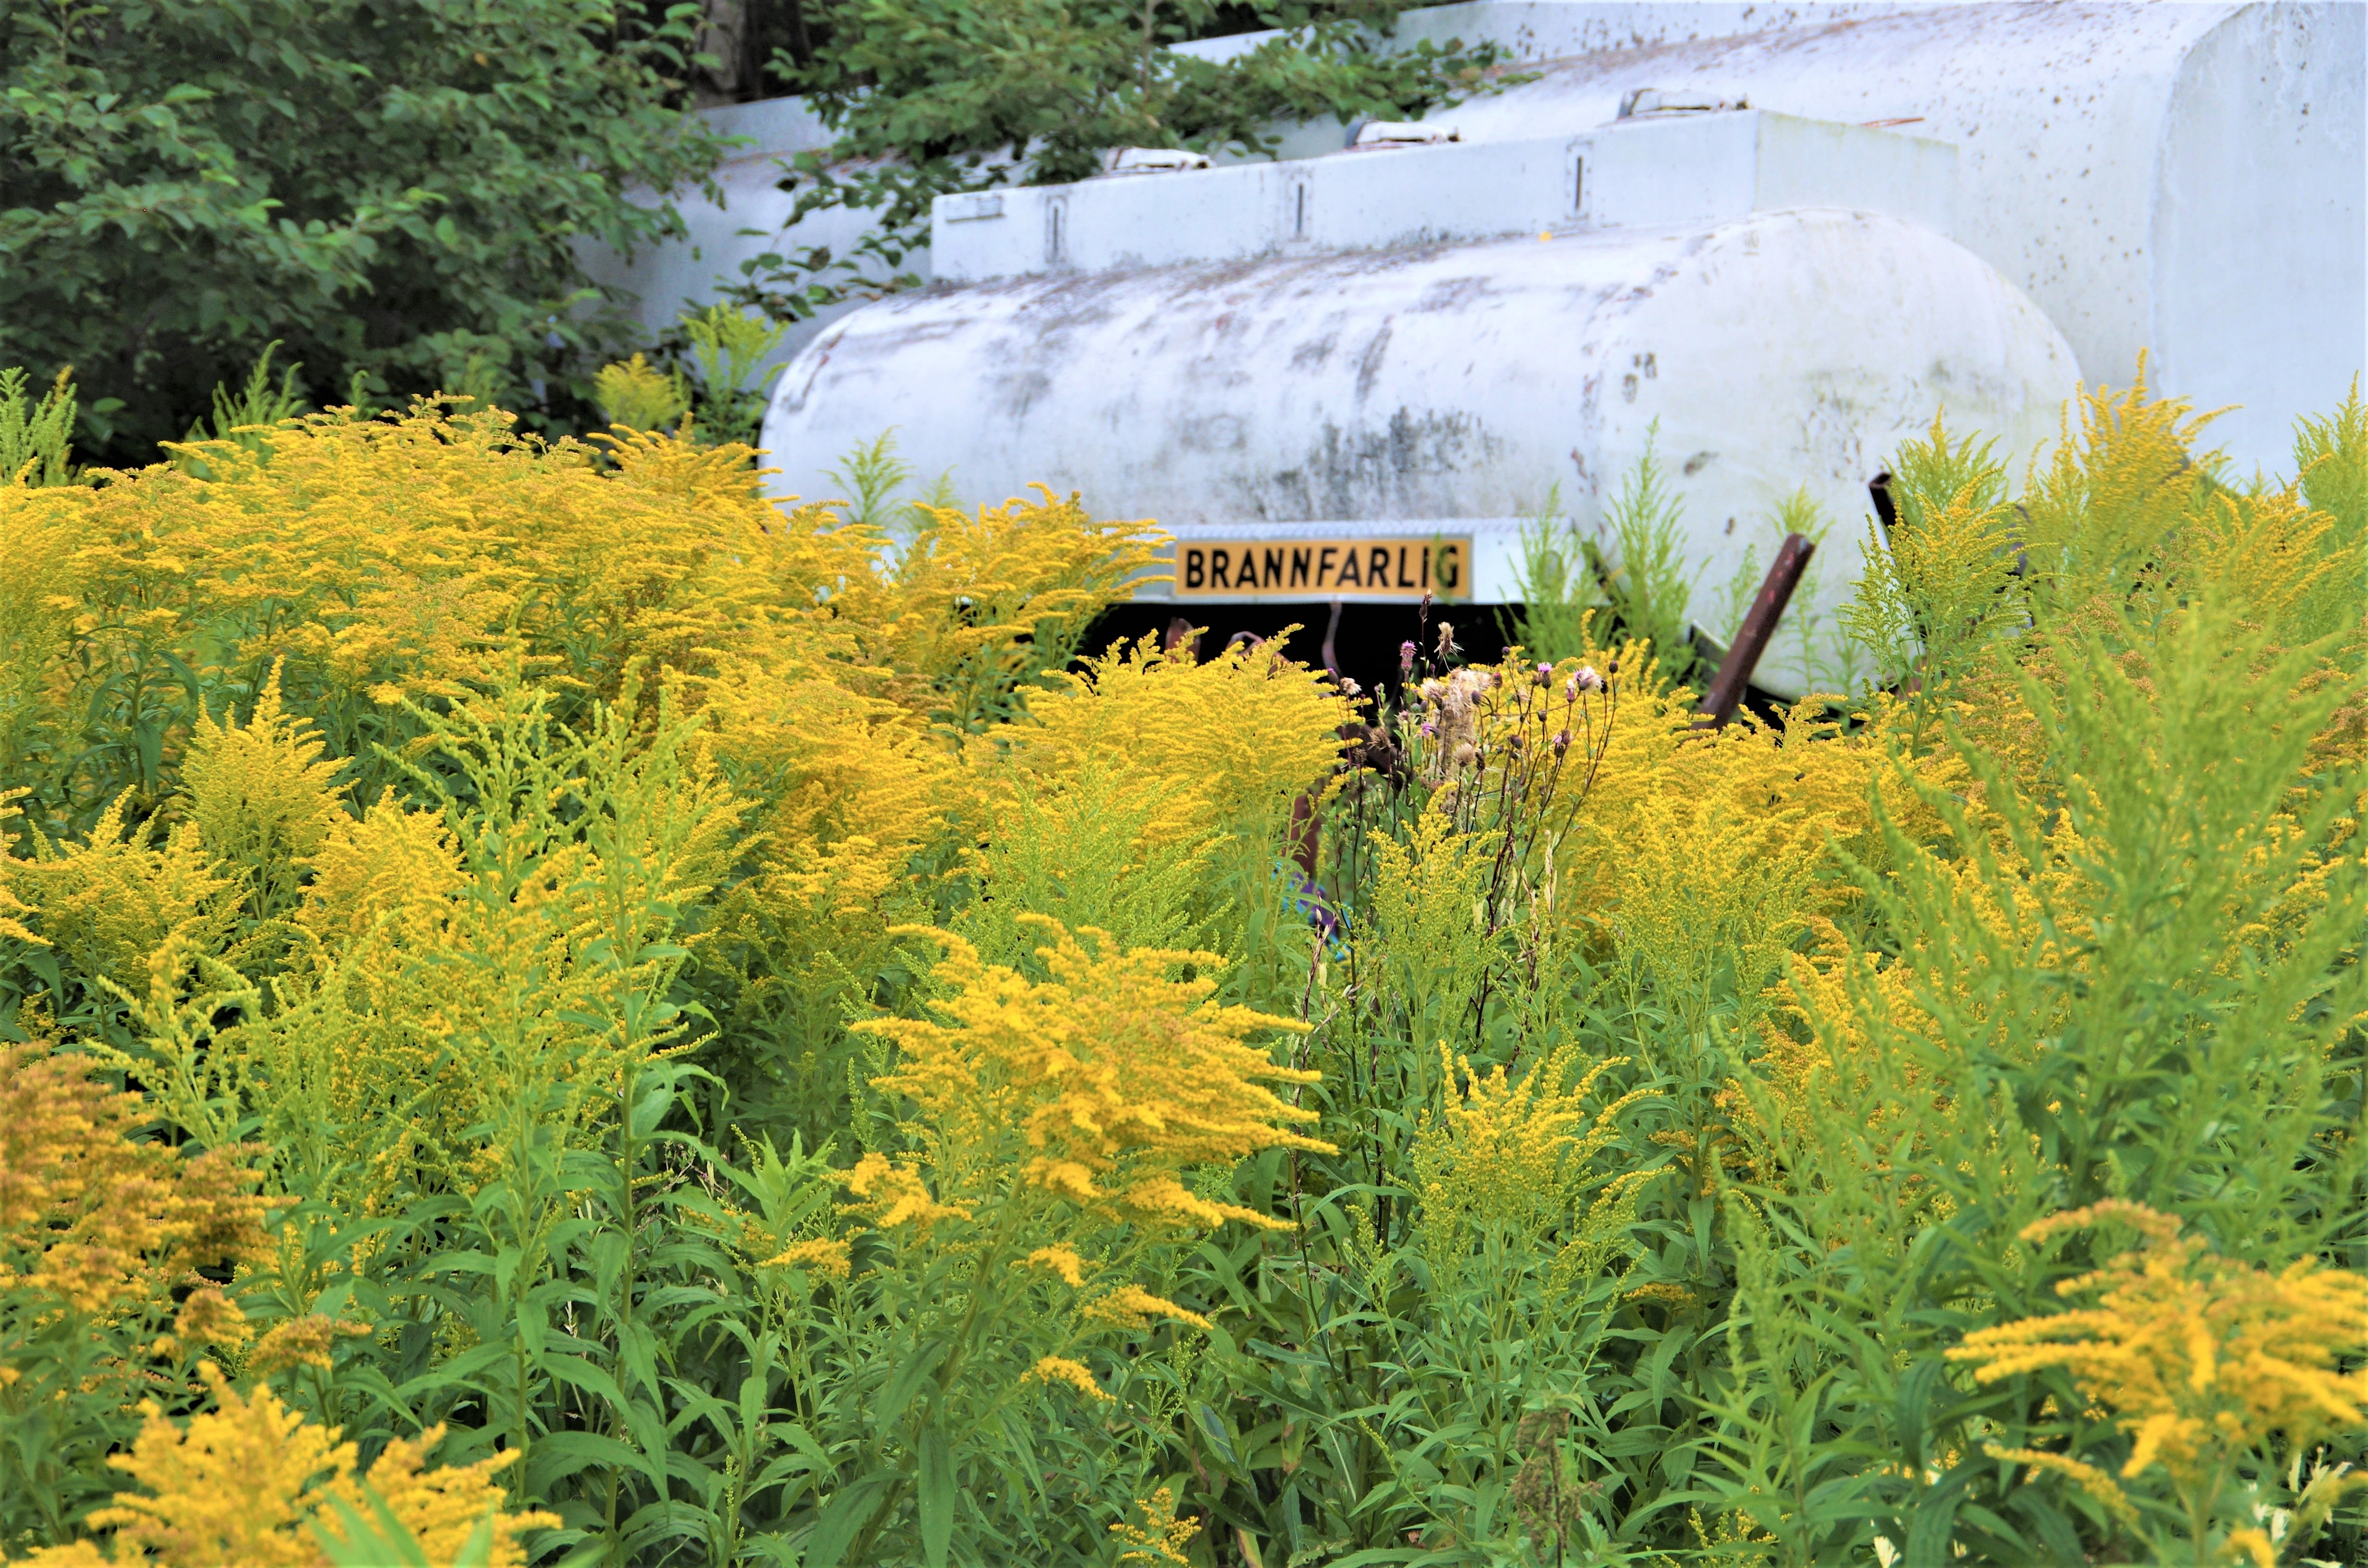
column 1726, row 693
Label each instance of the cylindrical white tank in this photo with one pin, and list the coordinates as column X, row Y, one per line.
column 1457, row 389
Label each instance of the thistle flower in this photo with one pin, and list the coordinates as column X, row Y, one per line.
column 1544, row 675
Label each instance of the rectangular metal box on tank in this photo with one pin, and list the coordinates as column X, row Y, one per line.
column 1770, row 241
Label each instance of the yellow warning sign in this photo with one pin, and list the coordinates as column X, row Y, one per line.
column 1320, row 568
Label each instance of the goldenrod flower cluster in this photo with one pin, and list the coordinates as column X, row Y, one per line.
column 96, row 1220
column 1115, row 1077
column 246, row 1482
column 1514, row 1161
column 2196, row 1357
column 1237, row 738
column 1161, row 1537
column 389, row 558
column 1516, row 1151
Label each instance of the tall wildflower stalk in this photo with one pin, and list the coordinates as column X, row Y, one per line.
column 557, row 1010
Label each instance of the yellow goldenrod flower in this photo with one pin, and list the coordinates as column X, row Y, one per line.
column 1161, row 1537
column 1131, row 1306
column 104, row 1222
column 108, row 904
column 236, row 1485
column 441, row 1507
column 307, row 1341
column 1242, row 737
column 1115, row 1076
column 823, row 1255
column 2095, row 1482
column 636, row 394
column 895, row 1195
column 2197, row 1356
column 260, row 796
column 245, row 1482
column 1514, row 1154
column 1061, row 1369
column 2255, row 1545
column 1062, row 1261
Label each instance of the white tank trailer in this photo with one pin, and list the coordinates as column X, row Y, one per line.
column 1771, row 242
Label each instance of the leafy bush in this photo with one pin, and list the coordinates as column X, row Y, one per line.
column 930, row 96
column 394, row 191
column 560, row 1012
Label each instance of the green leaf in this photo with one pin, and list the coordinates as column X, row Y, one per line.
column 937, row 1496
column 914, row 1371
column 843, row 1517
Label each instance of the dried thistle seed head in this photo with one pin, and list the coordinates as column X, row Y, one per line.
column 1466, row 754
column 1447, row 639
column 1583, row 678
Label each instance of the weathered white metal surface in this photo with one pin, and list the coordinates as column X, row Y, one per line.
column 2186, row 178
column 1547, row 30
column 2183, row 178
column 752, row 219
column 1291, row 347
column 1631, row 173
column 1450, row 388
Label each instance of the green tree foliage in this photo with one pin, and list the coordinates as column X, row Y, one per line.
column 938, row 96
column 395, row 190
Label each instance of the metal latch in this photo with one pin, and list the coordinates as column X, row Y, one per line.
column 1642, row 101
column 977, row 204
column 1154, row 161
column 1401, row 134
